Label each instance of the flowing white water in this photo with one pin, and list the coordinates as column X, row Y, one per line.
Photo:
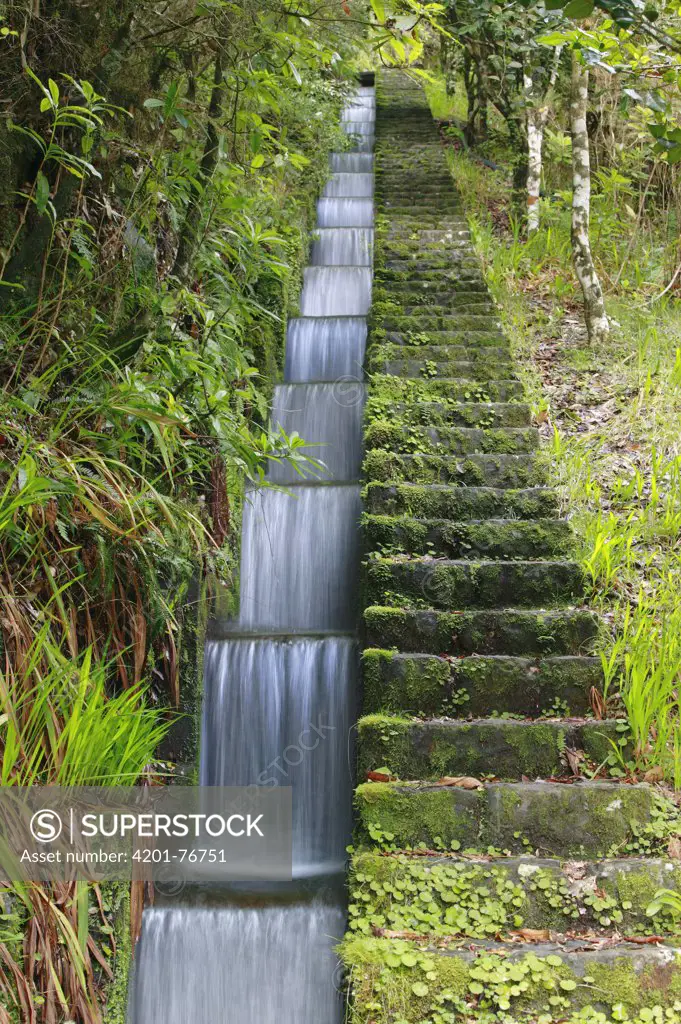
column 346, row 162
column 325, row 348
column 278, row 706
column 336, row 291
column 329, row 417
column 342, row 247
column 298, row 698
column 363, row 127
column 359, row 112
column 344, row 183
column 271, row 965
column 345, row 213
column 308, row 542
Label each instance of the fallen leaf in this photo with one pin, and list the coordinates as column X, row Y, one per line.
column 380, row 777
column 674, row 847
column 460, row 781
column 533, row 934
column 654, row 774
column 574, row 759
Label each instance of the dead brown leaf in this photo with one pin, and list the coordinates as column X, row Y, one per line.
column 460, row 782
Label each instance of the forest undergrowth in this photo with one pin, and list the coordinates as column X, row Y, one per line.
column 609, row 412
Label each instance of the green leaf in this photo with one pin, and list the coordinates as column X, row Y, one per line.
column 579, row 8
column 42, row 192
column 420, row 989
column 257, row 161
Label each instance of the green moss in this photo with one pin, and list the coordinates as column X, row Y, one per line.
column 394, row 980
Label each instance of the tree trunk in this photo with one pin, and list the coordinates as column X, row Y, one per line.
column 535, row 137
column 209, row 160
column 537, row 106
column 594, row 308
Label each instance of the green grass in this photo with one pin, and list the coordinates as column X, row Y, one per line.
column 610, row 419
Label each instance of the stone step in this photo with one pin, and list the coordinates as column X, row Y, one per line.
column 490, row 538
column 410, row 225
column 411, row 247
column 583, row 819
column 482, row 322
column 414, row 274
column 456, row 583
column 429, row 291
column 438, row 501
column 510, row 632
column 454, row 389
column 427, row 369
column 437, row 684
column 450, row 440
column 498, row 747
column 464, row 414
column 455, row 896
column 550, row 982
column 470, row 344
column 515, row 471
column 489, row 355
column 453, row 266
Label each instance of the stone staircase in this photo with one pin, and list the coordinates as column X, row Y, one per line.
column 493, row 878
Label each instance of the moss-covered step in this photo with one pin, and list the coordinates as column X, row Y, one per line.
column 587, row 819
column 472, row 322
column 387, row 392
column 447, row 369
column 429, row 289
column 487, row 415
column 511, row 632
column 436, row 684
column 452, row 896
column 414, row 249
column 430, row 348
column 456, row 583
column 474, row 344
column 397, row 980
column 420, row 275
column 489, row 357
column 490, row 538
column 504, row 748
column 477, row 469
column 460, row 390
column 441, row 501
column 458, row 265
column 414, row 438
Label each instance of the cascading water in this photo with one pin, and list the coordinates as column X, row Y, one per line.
column 305, row 719
column 238, row 966
column 325, row 348
column 280, row 680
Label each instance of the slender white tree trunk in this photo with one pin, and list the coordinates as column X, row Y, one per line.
column 537, row 107
column 594, row 308
column 535, row 136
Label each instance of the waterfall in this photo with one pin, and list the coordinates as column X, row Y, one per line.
column 295, row 578
column 345, row 213
column 344, row 183
column 343, row 246
column 325, row 348
column 238, row 966
column 336, row 291
column 298, row 734
column 280, row 679
column 358, row 162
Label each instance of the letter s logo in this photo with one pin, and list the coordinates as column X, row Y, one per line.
column 46, row 826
